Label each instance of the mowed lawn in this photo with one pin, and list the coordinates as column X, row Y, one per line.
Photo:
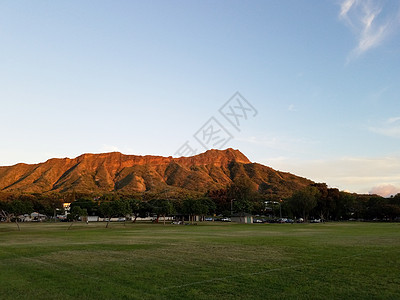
column 207, row 261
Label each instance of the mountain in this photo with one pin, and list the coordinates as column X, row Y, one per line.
column 107, row 172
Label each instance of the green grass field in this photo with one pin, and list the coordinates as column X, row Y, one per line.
column 208, row 261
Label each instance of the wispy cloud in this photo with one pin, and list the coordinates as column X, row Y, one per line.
column 355, row 174
column 393, row 120
column 379, row 95
column 345, row 7
column 372, row 21
column 390, row 128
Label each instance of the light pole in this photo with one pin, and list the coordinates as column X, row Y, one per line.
column 232, row 206
column 273, row 203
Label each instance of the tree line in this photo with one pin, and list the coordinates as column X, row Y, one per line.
column 319, row 201
column 111, row 206
column 315, row 201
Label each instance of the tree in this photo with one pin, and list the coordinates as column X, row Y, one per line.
column 116, row 208
column 200, row 207
column 13, row 209
column 221, row 200
column 145, row 209
column 47, row 204
column 303, row 201
column 6, row 216
column 347, row 205
column 75, row 213
column 391, row 211
column 395, row 199
column 240, row 193
column 393, row 207
column 86, row 202
column 192, row 207
column 162, row 208
column 134, row 205
column 376, row 207
column 322, row 206
column 209, row 206
column 259, row 205
column 327, row 201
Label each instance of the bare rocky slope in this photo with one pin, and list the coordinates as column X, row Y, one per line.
column 107, row 172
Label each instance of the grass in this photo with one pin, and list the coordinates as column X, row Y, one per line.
column 208, row 261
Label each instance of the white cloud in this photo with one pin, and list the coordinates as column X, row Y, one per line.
column 292, row 107
column 393, row 132
column 390, row 128
column 371, row 21
column 385, row 190
column 109, row 148
column 393, row 120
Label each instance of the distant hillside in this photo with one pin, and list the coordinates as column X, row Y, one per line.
column 107, row 172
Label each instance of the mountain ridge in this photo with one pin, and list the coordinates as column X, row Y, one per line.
column 114, row 171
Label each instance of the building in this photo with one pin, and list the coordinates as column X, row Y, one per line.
column 67, row 207
column 242, row 218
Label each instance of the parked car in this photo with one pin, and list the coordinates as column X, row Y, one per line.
column 273, row 221
column 291, row 221
column 258, row 221
column 226, row 219
column 315, row 221
column 208, row 219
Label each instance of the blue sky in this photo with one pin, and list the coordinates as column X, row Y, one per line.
column 142, row 77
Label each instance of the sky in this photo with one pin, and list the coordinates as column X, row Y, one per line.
column 304, row 86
